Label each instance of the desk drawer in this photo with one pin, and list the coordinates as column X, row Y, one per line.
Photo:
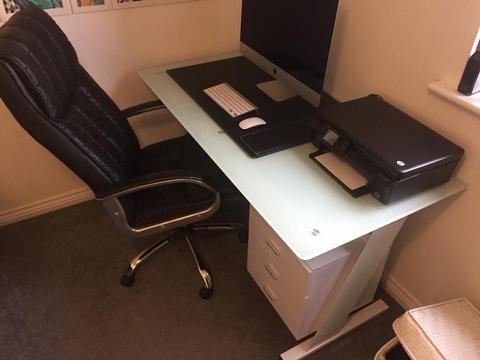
column 273, row 246
column 257, row 225
column 290, row 316
column 285, row 271
column 297, row 289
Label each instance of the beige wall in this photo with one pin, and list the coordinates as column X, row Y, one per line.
column 112, row 46
column 394, row 48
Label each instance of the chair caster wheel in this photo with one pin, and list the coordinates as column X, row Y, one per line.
column 243, row 236
column 128, row 279
column 205, row 293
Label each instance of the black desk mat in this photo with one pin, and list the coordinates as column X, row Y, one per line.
column 287, row 121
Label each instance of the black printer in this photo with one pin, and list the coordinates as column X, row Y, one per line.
column 396, row 154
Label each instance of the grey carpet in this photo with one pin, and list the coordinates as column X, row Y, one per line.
column 60, row 299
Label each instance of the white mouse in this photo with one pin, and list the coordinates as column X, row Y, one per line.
column 251, row 122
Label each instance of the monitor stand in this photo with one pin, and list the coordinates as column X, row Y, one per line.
column 276, row 90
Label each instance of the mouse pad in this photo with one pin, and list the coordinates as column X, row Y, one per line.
column 277, row 138
column 244, row 76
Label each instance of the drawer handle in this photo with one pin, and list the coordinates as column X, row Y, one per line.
column 269, row 292
column 271, row 270
column 273, row 248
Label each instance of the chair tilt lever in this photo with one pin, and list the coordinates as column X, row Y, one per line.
column 240, row 228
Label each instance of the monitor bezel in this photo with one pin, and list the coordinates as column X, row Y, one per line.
column 284, row 77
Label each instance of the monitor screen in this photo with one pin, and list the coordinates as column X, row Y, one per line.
column 294, row 35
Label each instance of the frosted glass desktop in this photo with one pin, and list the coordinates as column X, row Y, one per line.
column 308, row 210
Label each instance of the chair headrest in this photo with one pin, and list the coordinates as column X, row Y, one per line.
column 35, row 47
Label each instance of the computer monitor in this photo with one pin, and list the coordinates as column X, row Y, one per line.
column 290, row 39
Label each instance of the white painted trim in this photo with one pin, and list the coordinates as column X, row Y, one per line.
column 399, row 293
column 45, row 205
column 450, row 94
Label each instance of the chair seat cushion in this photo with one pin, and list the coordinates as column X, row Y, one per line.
column 170, row 202
column 163, row 203
column 165, row 155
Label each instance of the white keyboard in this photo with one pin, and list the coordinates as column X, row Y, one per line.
column 230, row 100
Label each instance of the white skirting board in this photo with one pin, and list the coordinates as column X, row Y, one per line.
column 45, row 205
column 399, row 293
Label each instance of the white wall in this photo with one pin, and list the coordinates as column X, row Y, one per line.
column 394, row 48
column 112, row 46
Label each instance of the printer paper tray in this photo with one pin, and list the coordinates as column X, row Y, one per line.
column 348, row 178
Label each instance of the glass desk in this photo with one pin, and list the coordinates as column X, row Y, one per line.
column 304, row 207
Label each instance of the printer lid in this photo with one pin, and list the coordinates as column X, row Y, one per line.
column 393, row 141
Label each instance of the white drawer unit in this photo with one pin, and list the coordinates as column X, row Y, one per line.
column 296, row 289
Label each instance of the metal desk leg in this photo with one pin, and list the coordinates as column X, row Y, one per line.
column 336, row 320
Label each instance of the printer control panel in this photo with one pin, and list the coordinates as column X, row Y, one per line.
column 333, row 140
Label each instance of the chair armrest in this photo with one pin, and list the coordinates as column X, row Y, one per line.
column 143, row 107
column 153, row 180
column 109, row 199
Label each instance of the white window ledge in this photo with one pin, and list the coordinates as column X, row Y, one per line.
column 449, row 93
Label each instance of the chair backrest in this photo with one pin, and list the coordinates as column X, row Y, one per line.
column 59, row 104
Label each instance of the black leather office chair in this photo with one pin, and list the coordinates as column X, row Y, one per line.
column 168, row 188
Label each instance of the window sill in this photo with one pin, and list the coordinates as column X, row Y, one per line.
column 449, row 93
